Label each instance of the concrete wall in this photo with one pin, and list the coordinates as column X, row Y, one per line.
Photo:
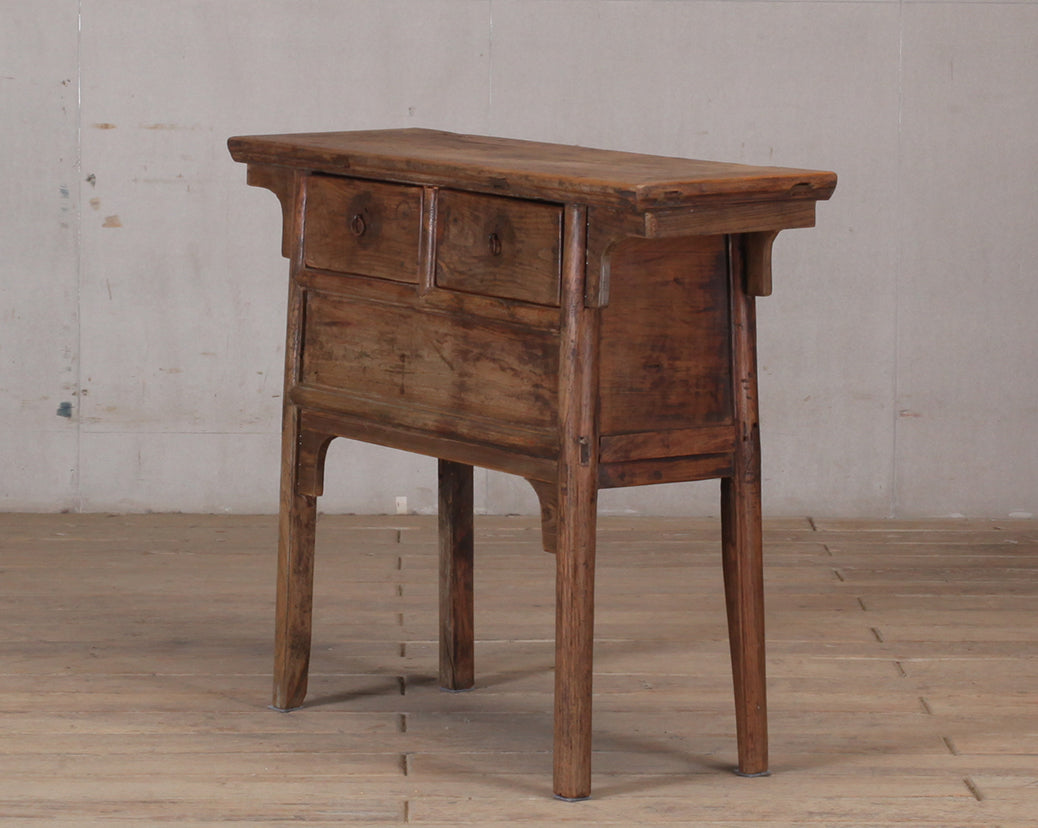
column 141, row 282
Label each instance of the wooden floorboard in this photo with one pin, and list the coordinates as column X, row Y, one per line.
column 135, row 657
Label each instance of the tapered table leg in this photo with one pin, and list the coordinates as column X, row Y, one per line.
column 574, row 642
column 744, row 594
column 576, row 502
column 742, row 545
column 457, row 656
column 295, row 578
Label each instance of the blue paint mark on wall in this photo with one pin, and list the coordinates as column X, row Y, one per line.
column 65, row 409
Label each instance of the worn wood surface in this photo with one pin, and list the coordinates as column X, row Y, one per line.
column 548, row 498
column 742, row 540
column 757, row 262
column 434, row 365
column 665, row 346
column 755, row 217
column 297, row 509
column 283, row 182
column 577, row 317
column 499, row 247
column 134, row 677
column 529, row 169
column 365, row 227
column 678, row 442
column 576, row 527
column 457, row 606
column 665, row 470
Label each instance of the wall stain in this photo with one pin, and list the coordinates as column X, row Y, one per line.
column 65, row 410
column 104, row 126
column 112, row 221
column 191, row 127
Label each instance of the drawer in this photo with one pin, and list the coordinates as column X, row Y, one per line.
column 363, row 227
column 500, row 247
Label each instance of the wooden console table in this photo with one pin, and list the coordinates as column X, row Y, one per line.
column 582, row 318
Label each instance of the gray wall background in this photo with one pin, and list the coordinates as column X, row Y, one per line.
column 141, row 281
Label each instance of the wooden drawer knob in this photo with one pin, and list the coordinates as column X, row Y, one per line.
column 357, row 225
column 494, row 240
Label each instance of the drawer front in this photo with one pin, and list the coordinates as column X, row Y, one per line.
column 363, row 227
column 500, row 247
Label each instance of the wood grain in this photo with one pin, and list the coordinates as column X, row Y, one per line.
column 548, row 499
column 526, row 452
column 742, row 539
column 577, row 515
column 665, row 470
column 297, row 509
column 282, row 181
column 682, row 442
column 366, row 227
column 757, row 262
column 666, row 353
column 730, row 218
column 447, row 364
column 456, row 624
column 579, row 317
column 528, row 169
column 500, row 247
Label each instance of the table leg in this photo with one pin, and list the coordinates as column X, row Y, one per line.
column 457, row 657
column 744, row 594
column 295, row 577
column 742, row 546
column 576, row 503
column 574, row 640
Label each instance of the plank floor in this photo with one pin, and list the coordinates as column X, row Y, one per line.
column 135, row 656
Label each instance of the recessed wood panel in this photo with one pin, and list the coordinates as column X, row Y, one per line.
column 665, row 349
column 432, row 363
column 368, row 228
column 499, row 247
column 678, row 442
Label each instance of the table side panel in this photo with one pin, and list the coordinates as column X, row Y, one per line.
column 665, row 349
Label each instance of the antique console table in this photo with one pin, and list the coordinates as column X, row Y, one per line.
column 582, row 318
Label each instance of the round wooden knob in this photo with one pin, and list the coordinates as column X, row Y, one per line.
column 357, row 225
column 494, row 241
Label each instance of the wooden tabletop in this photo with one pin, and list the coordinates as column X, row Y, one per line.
column 529, row 169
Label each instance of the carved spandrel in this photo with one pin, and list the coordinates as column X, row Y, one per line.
column 282, row 182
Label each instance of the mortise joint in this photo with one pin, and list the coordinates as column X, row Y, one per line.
column 585, row 450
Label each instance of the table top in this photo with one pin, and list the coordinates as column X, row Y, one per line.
column 530, row 169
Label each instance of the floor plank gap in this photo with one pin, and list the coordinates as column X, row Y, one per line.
column 135, row 660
